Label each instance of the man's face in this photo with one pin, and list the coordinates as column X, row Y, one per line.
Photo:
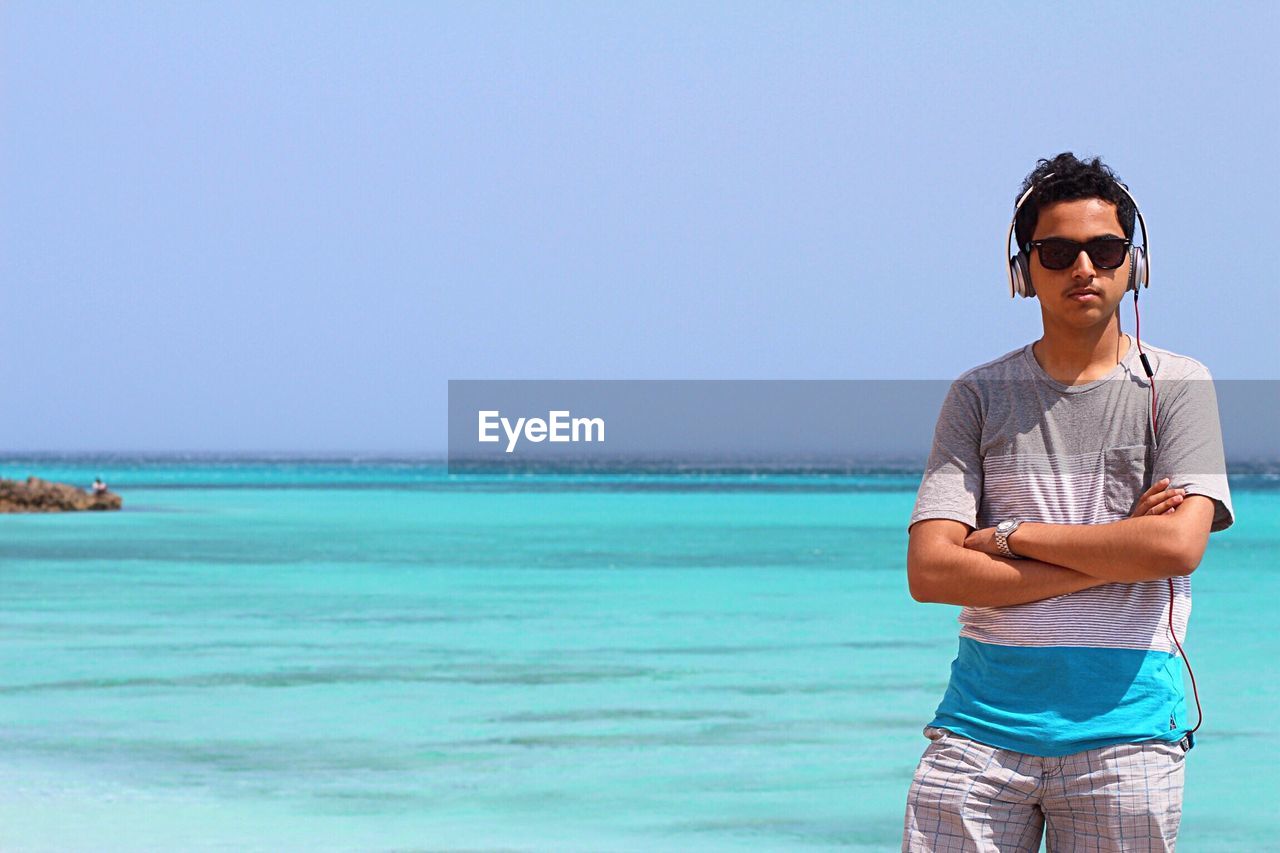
column 1080, row 220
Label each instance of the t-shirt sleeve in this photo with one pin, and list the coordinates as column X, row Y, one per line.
column 1190, row 442
column 952, row 483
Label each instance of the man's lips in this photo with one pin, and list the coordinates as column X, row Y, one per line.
column 1084, row 294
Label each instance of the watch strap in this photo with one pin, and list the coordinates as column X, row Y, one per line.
column 1002, row 542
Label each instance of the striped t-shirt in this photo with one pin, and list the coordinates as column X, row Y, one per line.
column 1094, row 667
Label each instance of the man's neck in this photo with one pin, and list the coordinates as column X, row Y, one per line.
column 1075, row 356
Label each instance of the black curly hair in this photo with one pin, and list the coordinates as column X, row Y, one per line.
column 1072, row 178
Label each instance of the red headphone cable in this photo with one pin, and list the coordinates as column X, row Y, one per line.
column 1146, row 366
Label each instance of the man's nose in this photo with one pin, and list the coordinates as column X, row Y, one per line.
column 1083, row 267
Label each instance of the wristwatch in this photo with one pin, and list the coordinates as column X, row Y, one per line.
column 1003, row 531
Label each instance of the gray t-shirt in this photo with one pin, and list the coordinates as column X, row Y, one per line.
column 1012, row 442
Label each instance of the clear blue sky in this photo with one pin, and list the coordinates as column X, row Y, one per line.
column 284, row 226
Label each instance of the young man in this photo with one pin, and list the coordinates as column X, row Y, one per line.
column 1066, row 704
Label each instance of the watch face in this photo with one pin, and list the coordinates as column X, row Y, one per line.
column 1004, row 525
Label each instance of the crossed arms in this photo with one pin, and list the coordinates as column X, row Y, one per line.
column 948, row 565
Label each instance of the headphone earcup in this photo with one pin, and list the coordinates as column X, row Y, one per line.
column 1137, row 268
column 1022, row 275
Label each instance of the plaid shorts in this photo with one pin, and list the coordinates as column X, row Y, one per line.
column 967, row 796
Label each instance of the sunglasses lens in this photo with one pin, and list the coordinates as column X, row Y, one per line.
column 1107, row 254
column 1058, row 256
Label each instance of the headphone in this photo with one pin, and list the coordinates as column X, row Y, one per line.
column 1020, row 262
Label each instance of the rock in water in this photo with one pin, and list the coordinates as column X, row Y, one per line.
column 36, row 495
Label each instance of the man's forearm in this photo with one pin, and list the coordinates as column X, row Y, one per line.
column 1127, row 551
column 958, row 575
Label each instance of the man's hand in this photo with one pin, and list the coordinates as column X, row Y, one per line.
column 1158, row 500
column 983, row 539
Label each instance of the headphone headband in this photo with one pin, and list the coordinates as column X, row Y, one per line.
column 1020, row 268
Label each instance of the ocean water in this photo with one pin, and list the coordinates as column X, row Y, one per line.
column 372, row 655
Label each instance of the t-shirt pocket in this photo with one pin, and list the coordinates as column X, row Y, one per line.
column 1124, row 477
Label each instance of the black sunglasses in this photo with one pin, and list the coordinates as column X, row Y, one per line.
column 1057, row 253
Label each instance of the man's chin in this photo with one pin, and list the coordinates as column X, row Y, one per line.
column 1080, row 321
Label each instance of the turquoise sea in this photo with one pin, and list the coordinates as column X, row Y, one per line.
column 373, row 655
